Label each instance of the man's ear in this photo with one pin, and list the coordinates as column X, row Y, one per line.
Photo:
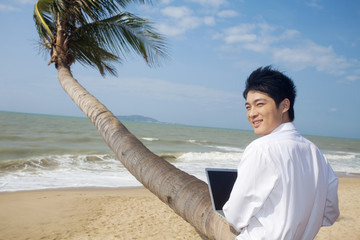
column 285, row 105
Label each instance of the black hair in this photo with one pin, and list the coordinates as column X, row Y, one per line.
column 273, row 83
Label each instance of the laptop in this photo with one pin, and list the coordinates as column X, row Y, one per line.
column 220, row 182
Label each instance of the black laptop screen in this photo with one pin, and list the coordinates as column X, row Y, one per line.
column 221, row 182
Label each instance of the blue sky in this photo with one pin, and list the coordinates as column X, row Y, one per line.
column 213, row 46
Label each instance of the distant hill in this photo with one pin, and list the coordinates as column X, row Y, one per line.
column 137, row 118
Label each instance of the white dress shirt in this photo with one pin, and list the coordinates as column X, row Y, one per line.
column 285, row 189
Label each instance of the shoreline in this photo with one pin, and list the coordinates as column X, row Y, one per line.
column 347, row 175
column 128, row 213
column 338, row 174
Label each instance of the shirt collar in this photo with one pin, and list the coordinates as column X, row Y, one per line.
column 284, row 127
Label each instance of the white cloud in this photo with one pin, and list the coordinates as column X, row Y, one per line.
column 24, row 2
column 238, row 34
column 180, row 20
column 8, row 8
column 289, row 34
column 227, row 14
column 240, row 38
column 310, row 54
column 165, row 1
column 355, row 75
column 315, row 4
column 179, row 27
column 353, row 78
column 210, row 21
column 298, row 57
column 210, row 3
column 287, row 47
column 176, row 12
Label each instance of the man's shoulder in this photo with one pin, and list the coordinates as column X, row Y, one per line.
column 262, row 143
column 285, row 134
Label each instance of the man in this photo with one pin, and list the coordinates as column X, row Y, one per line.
column 285, row 187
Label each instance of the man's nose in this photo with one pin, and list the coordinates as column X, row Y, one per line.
column 252, row 112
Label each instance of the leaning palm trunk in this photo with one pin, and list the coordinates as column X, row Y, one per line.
column 185, row 194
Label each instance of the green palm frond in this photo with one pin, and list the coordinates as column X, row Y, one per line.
column 124, row 33
column 43, row 21
column 88, row 52
column 96, row 32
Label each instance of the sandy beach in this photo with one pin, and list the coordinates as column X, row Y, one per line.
column 130, row 213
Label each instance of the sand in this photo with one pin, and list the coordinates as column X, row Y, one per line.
column 132, row 213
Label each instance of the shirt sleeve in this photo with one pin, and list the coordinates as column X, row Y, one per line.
column 257, row 176
column 332, row 211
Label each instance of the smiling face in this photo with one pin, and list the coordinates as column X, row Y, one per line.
column 263, row 114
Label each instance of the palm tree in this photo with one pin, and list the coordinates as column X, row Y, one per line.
column 96, row 33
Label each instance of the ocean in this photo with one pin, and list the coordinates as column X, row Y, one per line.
column 43, row 152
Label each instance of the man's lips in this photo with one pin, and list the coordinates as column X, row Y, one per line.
column 256, row 123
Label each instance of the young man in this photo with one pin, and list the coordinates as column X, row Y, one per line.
column 285, row 187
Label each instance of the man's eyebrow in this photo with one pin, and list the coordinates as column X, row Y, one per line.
column 256, row 100
column 259, row 99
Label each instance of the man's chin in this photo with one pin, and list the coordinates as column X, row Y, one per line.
column 259, row 132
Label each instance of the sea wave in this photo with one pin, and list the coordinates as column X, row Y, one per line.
column 51, row 162
column 28, row 165
column 195, row 163
column 58, row 171
column 211, row 156
column 54, row 152
column 150, row 139
column 96, row 170
column 227, row 148
column 344, row 162
column 104, row 170
column 170, row 157
column 209, row 144
column 342, row 156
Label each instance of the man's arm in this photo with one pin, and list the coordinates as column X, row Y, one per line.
column 257, row 177
column 331, row 212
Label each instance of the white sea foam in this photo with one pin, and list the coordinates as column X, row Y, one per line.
column 71, row 171
column 340, row 157
column 227, row 148
column 195, row 163
column 210, row 157
column 205, row 143
column 346, row 162
column 103, row 170
column 150, row 139
column 66, row 171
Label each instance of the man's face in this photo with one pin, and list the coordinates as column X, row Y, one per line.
column 262, row 112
